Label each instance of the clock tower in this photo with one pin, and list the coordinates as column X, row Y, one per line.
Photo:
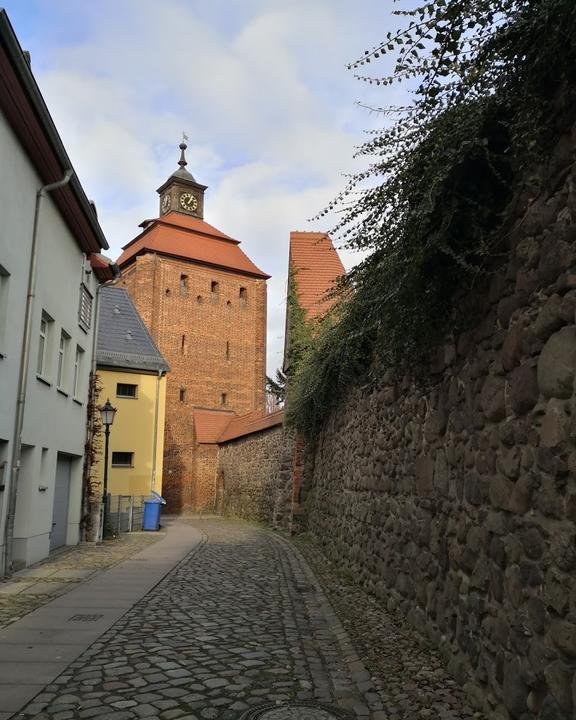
column 181, row 193
column 203, row 302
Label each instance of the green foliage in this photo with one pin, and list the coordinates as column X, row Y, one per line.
column 298, row 330
column 277, row 387
column 484, row 77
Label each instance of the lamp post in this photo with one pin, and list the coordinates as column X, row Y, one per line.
column 107, row 414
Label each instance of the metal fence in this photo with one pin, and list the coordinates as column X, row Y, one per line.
column 125, row 513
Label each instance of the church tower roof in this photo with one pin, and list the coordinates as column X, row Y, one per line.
column 182, row 232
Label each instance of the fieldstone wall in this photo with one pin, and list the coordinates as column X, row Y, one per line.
column 458, row 503
column 256, row 477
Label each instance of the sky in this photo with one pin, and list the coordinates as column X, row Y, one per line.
column 259, row 86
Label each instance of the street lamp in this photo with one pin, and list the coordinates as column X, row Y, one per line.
column 107, row 413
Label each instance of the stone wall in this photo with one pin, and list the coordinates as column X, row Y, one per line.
column 457, row 503
column 255, row 474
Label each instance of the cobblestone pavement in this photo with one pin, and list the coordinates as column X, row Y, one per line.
column 241, row 622
column 37, row 585
column 408, row 674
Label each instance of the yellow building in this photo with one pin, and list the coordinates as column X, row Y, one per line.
column 132, row 374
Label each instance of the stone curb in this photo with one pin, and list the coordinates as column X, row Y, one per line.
column 357, row 669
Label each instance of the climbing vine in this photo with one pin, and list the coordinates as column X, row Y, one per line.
column 487, row 84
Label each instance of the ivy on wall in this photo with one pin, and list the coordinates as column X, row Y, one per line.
column 491, row 82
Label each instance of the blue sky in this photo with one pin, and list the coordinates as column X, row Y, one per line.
column 259, row 86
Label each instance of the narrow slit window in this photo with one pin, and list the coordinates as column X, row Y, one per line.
column 183, row 284
column 214, row 287
column 227, row 350
column 62, row 360
column 243, row 296
column 183, row 344
column 223, row 399
column 182, row 394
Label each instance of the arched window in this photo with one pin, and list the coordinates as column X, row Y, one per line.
column 182, row 394
column 243, row 296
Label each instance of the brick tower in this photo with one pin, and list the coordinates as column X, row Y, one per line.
column 204, row 303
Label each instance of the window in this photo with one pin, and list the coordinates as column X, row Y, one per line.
column 85, row 312
column 78, row 367
column 4, row 278
column 182, row 394
column 214, row 290
column 122, row 459
column 199, row 300
column 227, row 350
column 243, row 296
column 42, row 364
column 63, row 351
column 126, row 390
column 223, row 399
column 183, row 344
column 183, row 284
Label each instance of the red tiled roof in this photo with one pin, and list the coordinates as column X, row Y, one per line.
column 250, row 423
column 186, row 237
column 209, row 424
column 103, row 268
column 316, row 266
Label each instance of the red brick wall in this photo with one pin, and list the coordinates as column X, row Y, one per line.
column 192, row 328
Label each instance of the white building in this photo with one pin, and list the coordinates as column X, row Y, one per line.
column 40, row 504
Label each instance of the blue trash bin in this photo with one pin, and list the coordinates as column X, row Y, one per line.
column 151, row 516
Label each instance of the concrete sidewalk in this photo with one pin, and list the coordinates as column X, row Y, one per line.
column 39, row 647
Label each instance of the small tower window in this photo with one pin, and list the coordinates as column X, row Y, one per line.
column 183, row 284
column 183, row 345
column 223, row 399
column 228, row 305
column 199, row 300
column 167, row 291
column 182, row 394
column 243, row 296
column 227, row 350
column 214, row 290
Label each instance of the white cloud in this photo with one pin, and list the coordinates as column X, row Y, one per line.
column 260, row 87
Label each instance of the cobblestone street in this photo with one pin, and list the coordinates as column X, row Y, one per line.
column 240, row 622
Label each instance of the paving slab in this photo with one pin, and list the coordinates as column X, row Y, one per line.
column 15, row 697
column 40, row 653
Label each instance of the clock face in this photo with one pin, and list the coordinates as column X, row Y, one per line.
column 188, row 201
column 166, row 202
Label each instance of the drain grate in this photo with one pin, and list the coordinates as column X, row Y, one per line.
column 296, row 711
column 85, row 618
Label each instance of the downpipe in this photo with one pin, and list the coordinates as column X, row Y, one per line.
column 16, row 453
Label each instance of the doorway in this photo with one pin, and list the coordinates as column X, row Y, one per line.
column 61, row 501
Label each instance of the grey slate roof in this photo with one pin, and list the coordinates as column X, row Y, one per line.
column 123, row 340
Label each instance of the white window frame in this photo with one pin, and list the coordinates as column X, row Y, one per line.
column 44, row 342
column 63, row 354
column 78, row 366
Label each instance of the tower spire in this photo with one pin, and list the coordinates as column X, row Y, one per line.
column 183, row 162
